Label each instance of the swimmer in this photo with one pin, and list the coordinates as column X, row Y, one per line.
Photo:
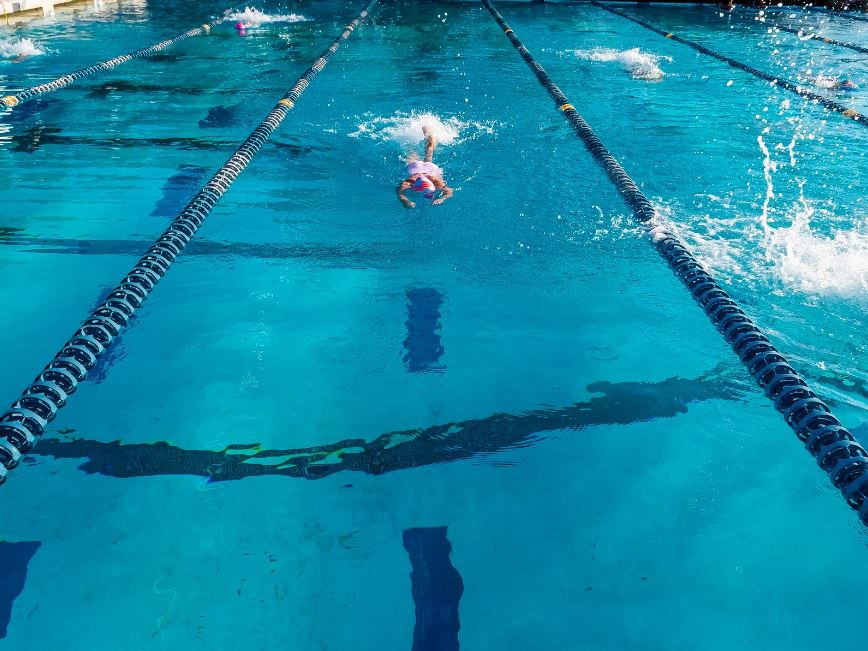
column 241, row 28
column 833, row 83
column 424, row 176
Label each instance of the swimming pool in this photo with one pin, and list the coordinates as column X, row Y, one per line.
column 515, row 365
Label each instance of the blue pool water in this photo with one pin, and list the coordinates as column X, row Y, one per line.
column 338, row 420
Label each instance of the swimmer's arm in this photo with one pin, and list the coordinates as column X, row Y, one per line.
column 406, row 183
column 446, row 193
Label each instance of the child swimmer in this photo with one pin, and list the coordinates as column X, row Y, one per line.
column 424, row 176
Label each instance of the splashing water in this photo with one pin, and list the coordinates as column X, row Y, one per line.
column 640, row 65
column 828, row 82
column 815, row 263
column 406, row 129
column 251, row 17
column 17, row 49
column 796, row 254
column 769, row 166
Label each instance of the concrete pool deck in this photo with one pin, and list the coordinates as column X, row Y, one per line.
column 13, row 11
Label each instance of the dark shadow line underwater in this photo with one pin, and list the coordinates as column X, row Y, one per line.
column 621, row 403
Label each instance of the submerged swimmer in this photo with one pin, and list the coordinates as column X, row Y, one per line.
column 241, row 28
column 833, row 83
column 424, row 176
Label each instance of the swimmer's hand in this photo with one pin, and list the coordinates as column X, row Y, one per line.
column 406, row 183
column 446, row 193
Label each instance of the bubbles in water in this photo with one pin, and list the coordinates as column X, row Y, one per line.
column 251, row 17
column 18, row 49
column 406, row 128
column 640, row 65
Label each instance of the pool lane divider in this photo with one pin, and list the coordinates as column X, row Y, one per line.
column 25, row 421
column 806, row 33
column 818, row 37
column 795, row 88
column 831, row 444
column 11, row 101
column 839, row 14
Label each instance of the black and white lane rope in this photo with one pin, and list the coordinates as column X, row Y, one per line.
column 827, row 440
column 852, row 15
column 25, row 421
column 830, row 104
column 11, row 101
column 806, row 33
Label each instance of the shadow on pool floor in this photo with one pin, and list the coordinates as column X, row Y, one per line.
column 621, row 403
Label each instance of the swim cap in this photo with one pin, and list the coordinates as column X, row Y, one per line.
column 424, row 184
column 240, row 26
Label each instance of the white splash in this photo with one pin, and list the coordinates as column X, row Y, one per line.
column 769, row 166
column 792, row 251
column 406, row 128
column 252, row 17
column 828, row 82
column 18, row 49
column 640, row 65
column 815, row 263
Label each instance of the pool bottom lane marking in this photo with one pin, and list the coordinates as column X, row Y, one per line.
column 831, row 444
column 436, row 587
column 25, row 421
column 422, row 346
column 788, row 85
column 10, row 101
column 14, row 558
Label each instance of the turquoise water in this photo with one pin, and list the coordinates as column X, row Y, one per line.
column 516, row 365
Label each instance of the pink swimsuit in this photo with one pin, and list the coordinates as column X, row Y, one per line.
column 422, row 167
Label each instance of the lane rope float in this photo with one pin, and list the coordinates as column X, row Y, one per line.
column 840, row 14
column 818, row 37
column 11, row 101
column 25, row 421
column 806, row 33
column 795, row 88
column 831, row 444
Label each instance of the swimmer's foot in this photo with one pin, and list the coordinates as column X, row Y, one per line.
column 426, row 131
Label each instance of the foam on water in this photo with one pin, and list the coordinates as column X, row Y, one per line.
column 829, row 82
column 19, row 48
column 784, row 243
column 406, row 128
column 251, row 17
column 640, row 65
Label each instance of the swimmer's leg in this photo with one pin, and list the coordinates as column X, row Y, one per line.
column 430, row 143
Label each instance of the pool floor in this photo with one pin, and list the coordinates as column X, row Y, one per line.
column 495, row 423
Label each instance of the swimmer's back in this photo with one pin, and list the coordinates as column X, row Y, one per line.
column 423, row 167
